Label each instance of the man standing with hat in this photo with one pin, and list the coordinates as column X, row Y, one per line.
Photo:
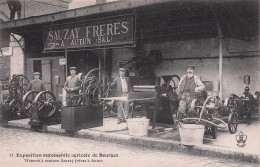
column 36, row 84
column 72, row 86
column 121, row 87
column 188, row 86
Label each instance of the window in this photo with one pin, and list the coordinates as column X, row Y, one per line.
column 37, row 66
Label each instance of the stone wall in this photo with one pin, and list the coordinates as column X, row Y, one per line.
column 177, row 55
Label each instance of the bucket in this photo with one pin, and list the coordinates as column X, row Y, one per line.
column 138, row 126
column 191, row 134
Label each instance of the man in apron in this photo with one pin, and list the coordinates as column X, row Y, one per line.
column 72, row 86
column 189, row 85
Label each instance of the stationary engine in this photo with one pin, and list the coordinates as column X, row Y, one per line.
column 89, row 111
column 43, row 108
column 12, row 106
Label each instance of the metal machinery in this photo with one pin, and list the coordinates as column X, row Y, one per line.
column 12, row 106
column 242, row 106
column 166, row 99
column 42, row 107
column 212, row 114
column 89, row 111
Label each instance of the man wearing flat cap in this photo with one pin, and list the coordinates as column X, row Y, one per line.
column 36, row 84
column 121, row 86
column 189, row 85
column 72, row 86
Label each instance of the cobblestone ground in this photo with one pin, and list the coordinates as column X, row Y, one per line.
column 22, row 148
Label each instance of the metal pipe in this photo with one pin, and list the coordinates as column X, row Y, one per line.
column 220, row 36
column 214, row 57
column 66, row 66
column 222, row 125
column 220, row 68
column 99, row 65
column 104, row 68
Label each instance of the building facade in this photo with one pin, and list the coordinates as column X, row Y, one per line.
column 165, row 37
column 13, row 62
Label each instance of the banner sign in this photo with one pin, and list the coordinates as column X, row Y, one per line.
column 114, row 32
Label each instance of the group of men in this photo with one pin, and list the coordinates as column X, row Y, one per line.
column 72, row 86
column 120, row 85
column 188, row 86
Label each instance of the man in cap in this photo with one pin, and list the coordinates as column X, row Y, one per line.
column 72, row 86
column 249, row 105
column 188, row 86
column 121, row 87
column 36, row 84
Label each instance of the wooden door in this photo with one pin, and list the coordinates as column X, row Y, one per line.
column 57, row 70
column 49, row 68
column 46, row 73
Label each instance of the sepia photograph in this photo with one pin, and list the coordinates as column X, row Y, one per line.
column 124, row 83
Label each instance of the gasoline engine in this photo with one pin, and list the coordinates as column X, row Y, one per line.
column 43, row 107
column 89, row 111
column 11, row 108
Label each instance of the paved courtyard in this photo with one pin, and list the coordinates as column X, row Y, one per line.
column 23, row 148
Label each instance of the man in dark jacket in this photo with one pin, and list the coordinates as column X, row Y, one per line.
column 188, row 86
column 36, row 84
column 72, row 86
column 121, row 87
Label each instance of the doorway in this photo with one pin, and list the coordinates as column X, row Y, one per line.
column 49, row 68
column 83, row 60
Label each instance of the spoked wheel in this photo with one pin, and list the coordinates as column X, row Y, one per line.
column 46, row 104
column 228, row 103
column 94, row 87
column 15, row 106
column 7, row 101
column 18, row 86
column 6, row 104
column 175, row 80
column 196, row 106
column 232, row 122
column 27, row 102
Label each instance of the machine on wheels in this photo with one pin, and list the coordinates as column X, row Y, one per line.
column 89, row 111
column 212, row 114
column 11, row 108
column 43, row 107
column 242, row 106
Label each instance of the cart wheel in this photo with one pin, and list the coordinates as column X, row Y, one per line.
column 232, row 122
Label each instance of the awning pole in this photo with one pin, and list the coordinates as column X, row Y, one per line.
column 220, row 68
column 66, row 66
column 104, row 64
column 100, row 64
column 220, row 36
